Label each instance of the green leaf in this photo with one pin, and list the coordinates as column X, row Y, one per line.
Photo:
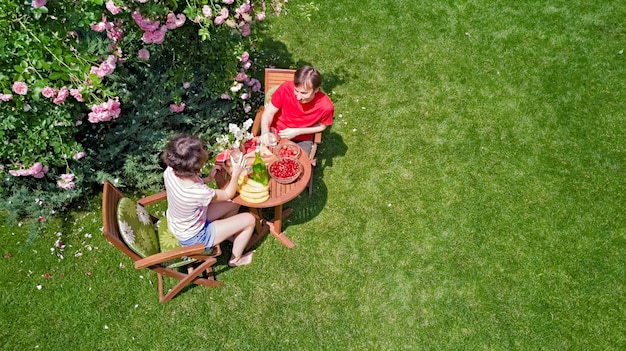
column 204, row 34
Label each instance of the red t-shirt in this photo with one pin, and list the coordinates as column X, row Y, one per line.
column 292, row 114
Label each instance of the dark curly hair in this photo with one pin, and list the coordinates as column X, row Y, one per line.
column 186, row 155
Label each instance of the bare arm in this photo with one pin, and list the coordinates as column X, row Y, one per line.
column 290, row 133
column 231, row 189
column 267, row 117
column 212, row 174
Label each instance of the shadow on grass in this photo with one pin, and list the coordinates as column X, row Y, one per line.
column 307, row 208
column 276, row 54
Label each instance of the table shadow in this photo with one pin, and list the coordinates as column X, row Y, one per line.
column 305, row 207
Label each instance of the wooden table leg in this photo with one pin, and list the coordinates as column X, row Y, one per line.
column 276, row 227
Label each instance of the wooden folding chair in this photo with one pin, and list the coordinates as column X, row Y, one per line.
column 273, row 78
column 164, row 263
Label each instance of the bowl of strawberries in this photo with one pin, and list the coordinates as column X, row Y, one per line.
column 290, row 150
column 285, row 170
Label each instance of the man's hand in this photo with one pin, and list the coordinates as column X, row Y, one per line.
column 289, row 133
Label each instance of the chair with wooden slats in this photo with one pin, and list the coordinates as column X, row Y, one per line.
column 132, row 231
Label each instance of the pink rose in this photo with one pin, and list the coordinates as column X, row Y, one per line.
column 144, row 23
column 98, row 27
column 186, row 85
column 260, row 16
column 245, row 56
column 41, row 174
column 206, row 11
column 218, row 20
column 228, row 2
column 79, row 155
column 105, row 111
column 106, row 67
column 61, row 96
column 241, row 77
column 255, row 84
column 155, row 37
column 177, row 108
column 76, row 94
column 110, row 5
column 39, row 3
column 245, row 8
column 6, row 97
column 20, row 88
column 245, row 30
column 114, row 108
column 68, row 177
column 37, row 170
column 37, row 167
column 48, row 92
column 115, row 34
column 64, row 183
column 144, row 54
column 174, row 22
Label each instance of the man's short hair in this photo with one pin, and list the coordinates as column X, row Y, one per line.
column 307, row 77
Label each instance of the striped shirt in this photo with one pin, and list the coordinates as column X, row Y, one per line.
column 187, row 202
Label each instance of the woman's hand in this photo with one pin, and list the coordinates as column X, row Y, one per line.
column 214, row 171
column 236, row 170
column 237, row 167
column 212, row 174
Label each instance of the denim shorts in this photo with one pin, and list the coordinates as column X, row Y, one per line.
column 206, row 235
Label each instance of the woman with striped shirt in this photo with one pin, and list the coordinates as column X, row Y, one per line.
column 197, row 213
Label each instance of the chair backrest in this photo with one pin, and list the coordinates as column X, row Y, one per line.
column 273, row 78
column 277, row 76
column 111, row 196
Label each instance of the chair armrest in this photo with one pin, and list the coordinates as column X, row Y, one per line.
column 169, row 255
column 317, row 138
column 256, row 126
column 151, row 199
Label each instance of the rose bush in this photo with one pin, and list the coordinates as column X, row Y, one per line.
column 92, row 89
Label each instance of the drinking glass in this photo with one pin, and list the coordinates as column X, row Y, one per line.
column 235, row 155
column 271, row 138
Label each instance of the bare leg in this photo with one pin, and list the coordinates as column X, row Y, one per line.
column 221, row 209
column 241, row 227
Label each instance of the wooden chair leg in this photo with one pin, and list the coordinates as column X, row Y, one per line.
column 310, row 185
column 160, row 285
column 195, row 273
column 209, row 273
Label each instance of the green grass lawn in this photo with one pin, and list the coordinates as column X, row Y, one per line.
column 469, row 196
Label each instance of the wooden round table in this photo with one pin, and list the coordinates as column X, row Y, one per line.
column 279, row 195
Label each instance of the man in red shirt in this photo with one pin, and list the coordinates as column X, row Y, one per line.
column 298, row 109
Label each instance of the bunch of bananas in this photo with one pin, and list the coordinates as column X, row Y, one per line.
column 252, row 191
